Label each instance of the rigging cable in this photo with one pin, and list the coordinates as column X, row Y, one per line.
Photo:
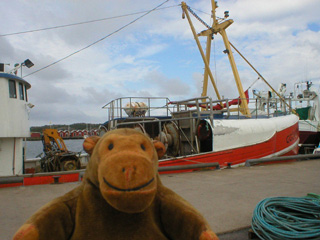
column 101, row 39
column 197, row 17
column 80, row 23
column 200, row 11
column 280, row 97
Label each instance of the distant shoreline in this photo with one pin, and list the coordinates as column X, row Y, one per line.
column 39, row 138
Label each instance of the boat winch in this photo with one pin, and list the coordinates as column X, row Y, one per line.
column 170, row 138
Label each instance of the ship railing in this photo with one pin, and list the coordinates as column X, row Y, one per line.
column 162, row 106
column 200, row 107
column 138, row 107
column 231, row 108
column 273, row 107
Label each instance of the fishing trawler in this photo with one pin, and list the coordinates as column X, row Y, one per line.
column 304, row 100
column 306, row 103
column 204, row 131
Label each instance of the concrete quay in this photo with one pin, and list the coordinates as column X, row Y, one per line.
column 225, row 197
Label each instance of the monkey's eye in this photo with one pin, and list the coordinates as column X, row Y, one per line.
column 143, row 147
column 110, row 146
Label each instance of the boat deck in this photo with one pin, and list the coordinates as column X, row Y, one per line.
column 225, row 197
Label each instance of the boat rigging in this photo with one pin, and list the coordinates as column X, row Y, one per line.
column 217, row 27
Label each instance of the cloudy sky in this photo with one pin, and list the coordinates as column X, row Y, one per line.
column 153, row 56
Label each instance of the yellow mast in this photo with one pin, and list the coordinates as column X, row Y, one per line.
column 208, row 51
column 204, row 58
column 206, row 73
column 218, row 28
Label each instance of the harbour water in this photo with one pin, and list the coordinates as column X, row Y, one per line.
column 34, row 148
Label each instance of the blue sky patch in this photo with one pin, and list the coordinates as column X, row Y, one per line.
column 315, row 27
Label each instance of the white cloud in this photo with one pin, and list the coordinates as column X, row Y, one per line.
column 155, row 56
column 162, row 86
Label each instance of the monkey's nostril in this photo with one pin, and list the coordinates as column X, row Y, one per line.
column 128, row 173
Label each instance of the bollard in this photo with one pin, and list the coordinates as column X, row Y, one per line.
column 56, row 179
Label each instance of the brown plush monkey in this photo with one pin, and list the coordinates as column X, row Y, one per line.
column 121, row 197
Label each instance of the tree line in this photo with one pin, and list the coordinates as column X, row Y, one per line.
column 70, row 127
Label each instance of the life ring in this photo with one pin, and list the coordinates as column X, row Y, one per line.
column 203, row 131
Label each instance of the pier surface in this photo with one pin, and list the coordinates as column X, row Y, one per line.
column 225, row 197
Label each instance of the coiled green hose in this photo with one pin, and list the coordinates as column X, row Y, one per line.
column 287, row 218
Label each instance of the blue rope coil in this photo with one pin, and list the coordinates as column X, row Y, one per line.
column 287, row 218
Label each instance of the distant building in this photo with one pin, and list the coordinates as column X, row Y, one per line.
column 77, row 133
column 35, row 135
column 94, row 132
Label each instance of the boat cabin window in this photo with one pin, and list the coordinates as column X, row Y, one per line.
column 25, row 93
column 21, row 92
column 12, row 89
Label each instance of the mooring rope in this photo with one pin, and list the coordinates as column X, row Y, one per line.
column 287, row 218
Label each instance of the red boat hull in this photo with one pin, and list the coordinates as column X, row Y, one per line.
column 282, row 143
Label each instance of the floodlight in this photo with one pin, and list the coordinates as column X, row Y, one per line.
column 28, row 63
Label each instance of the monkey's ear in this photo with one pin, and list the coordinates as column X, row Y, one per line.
column 89, row 144
column 160, row 148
